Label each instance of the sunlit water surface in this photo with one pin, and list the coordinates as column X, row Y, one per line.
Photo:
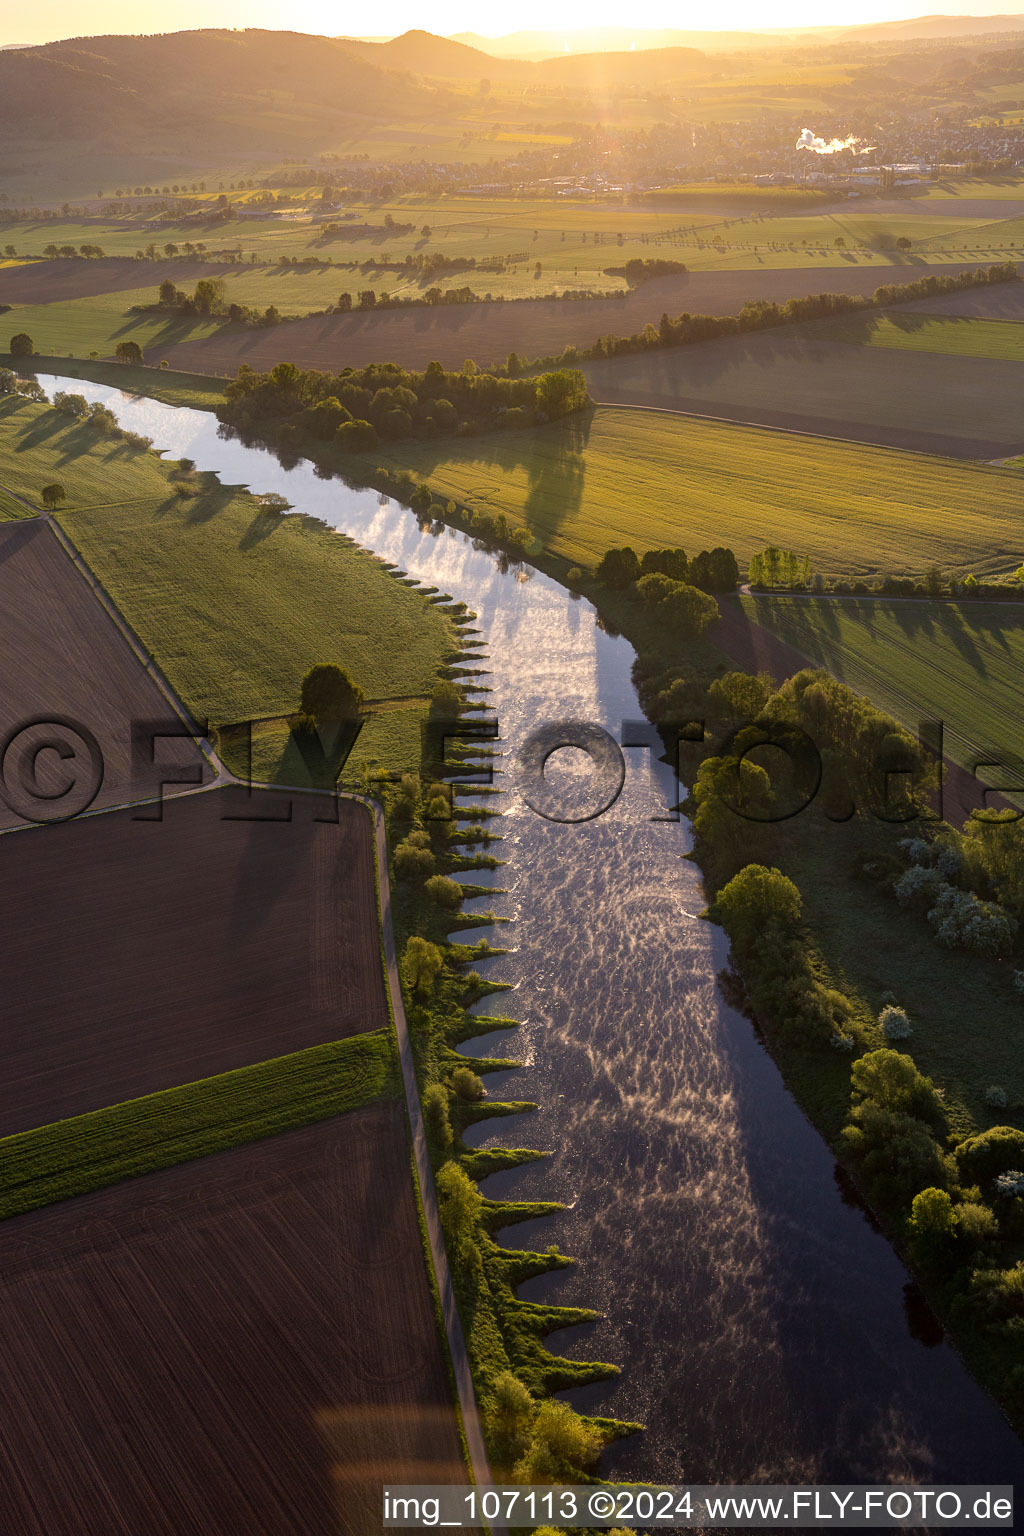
column 763, row 1327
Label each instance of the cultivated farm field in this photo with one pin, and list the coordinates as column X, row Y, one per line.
column 910, row 331
column 961, row 404
column 960, row 663
column 262, row 1321
column 652, row 479
column 488, row 332
column 175, row 949
column 64, row 658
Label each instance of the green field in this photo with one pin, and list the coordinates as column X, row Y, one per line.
column 651, row 480
column 234, row 603
column 907, row 331
column 960, row 663
column 69, row 1157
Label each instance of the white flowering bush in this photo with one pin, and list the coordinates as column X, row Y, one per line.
column 961, row 921
column 948, row 862
column 916, row 850
column 894, row 1023
column 1011, row 1182
column 995, row 1096
column 919, row 884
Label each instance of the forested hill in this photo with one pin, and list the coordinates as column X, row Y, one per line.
column 215, row 89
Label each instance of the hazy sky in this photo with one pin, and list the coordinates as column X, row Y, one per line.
column 66, row 18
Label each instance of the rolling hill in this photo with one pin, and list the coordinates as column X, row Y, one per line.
column 217, row 89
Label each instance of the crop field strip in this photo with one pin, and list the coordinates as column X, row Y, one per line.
column 64, row 657
column 71, row 1157
column 960, row 406
column 263, row 1322
column 179, row 949
column 653, row 479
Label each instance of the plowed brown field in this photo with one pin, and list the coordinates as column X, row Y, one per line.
column 241, row 1345
column 64, row 658
column 150, row 954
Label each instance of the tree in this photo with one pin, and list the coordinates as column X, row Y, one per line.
column 421, row 964
column 932, row 1223
column 444, row 892
column 892, row 1081
column 618, row 568
column 753, row 899
column 208, row 295
column 903, row 244
column 468, row 1084
column 128, row 352
column 22, row 345
column 667, row 562
column 715, row 570
column 168, row 292
column 53, row 495
column 8, row 382
column 329, row 694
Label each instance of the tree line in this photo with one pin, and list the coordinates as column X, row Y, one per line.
column 293, row 408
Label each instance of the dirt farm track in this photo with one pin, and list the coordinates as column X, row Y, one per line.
column 178, row 949
column 242, row 1344
column 488, row 332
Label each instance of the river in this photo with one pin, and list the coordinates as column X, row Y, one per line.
column 765, row 1330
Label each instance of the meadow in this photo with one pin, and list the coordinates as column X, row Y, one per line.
column 651, row 479
column 234, row 603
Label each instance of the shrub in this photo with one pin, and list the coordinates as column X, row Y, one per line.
column 8, row 382
column 510, row 1418
column 961, row 921
column 561, row 1443
column 919, row 885
column 412, row 861
column 986, row 1154
column 995, row 1097
column 976, row 1223
column 444, row 892
column 22, row 345
column 573, row 575
column 894, row 1023
column 468, row 1085
column 459, row 1202
column 1010, row 1183
column 435, row 1115
column 137, row 442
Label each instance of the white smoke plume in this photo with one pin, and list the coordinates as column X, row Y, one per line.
column 818, row 146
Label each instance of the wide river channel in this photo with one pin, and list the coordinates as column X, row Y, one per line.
column 765, row 1330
